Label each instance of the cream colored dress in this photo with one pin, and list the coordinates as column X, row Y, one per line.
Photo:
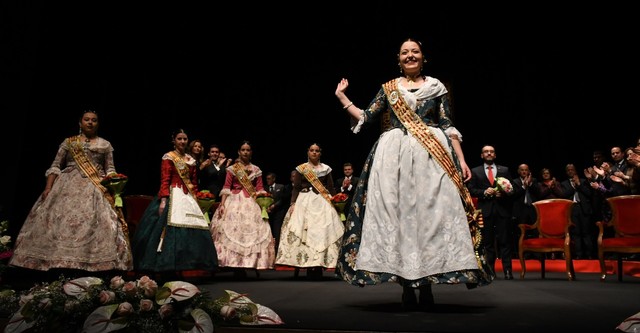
column 312, row 230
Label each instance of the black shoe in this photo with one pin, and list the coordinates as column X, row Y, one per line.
column 240, row 274
column 426, row 296
column 508, row 275
column 314, row 273
column 409, row 300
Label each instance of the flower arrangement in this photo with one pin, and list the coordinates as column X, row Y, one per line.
column 265, row 200
column 5, row 250
column 115, row 182
column 503, row 185
column 205, row 195
column 90, row 305
column 206, row 200
column 339, row 202
column 113, row 177
column 340, row 197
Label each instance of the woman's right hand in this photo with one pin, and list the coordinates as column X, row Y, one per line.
column 220, row 210
column 163, row 204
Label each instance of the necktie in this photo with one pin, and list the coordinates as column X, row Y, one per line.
column 527, row 198
column 490, row 174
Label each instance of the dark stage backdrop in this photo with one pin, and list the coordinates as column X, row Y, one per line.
column 542, row 86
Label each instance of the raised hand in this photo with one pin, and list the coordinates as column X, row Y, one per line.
column 342, row 87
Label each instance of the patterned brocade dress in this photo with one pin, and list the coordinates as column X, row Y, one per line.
column 75, row 226
column 242, row 238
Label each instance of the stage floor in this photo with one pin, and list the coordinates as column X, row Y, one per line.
column 529, row 305
column 520, row 305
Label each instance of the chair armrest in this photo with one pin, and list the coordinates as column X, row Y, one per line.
column 601, row 225
column 523, row 227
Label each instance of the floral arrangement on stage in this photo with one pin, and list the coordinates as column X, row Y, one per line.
column 265, row 200
column 5, row 250
column 205, row 195
column 206, row 199
column 89, row 305
column 115, row 182
column 503, row 185
column 340, row 201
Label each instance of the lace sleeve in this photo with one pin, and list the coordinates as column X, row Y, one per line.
column 60, row 158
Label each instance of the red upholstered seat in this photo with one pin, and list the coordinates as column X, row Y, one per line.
column 553, row 224
column 134, row 207
column 625, row 221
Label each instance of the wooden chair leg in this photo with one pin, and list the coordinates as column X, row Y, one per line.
column 296, row 272
column 542, row 269
column 603, row 268
column 523, row 266
column 569, row 265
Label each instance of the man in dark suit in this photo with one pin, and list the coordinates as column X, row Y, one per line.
column 347, row 184
column 279, row 207
column 583, row 233
column 212, row 177
column 496, row 206
column 524, row 196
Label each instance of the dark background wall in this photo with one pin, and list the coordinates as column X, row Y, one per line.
column 543, row 86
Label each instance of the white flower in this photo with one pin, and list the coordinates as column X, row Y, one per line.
column 503, row 185
column 146, row 305
column 148, row 286
column 106, row 296
column 116, row 282
column 125, row 309
column 5, row 240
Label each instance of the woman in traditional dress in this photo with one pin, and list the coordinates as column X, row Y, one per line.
column 243, row 239
column 312, row 229
column 173, row 234
column 74, row 224
column 411, row 215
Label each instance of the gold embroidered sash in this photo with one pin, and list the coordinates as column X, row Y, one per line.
column 76, row 147
column 183, row 171
column 243, row 178
column 423, row 134
column 313, row 179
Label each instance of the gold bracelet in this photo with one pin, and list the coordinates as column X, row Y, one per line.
column 347, row 106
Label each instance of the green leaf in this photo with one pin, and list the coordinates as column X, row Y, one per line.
column 19, row 323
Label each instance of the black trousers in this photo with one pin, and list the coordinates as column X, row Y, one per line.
column 497, row 236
